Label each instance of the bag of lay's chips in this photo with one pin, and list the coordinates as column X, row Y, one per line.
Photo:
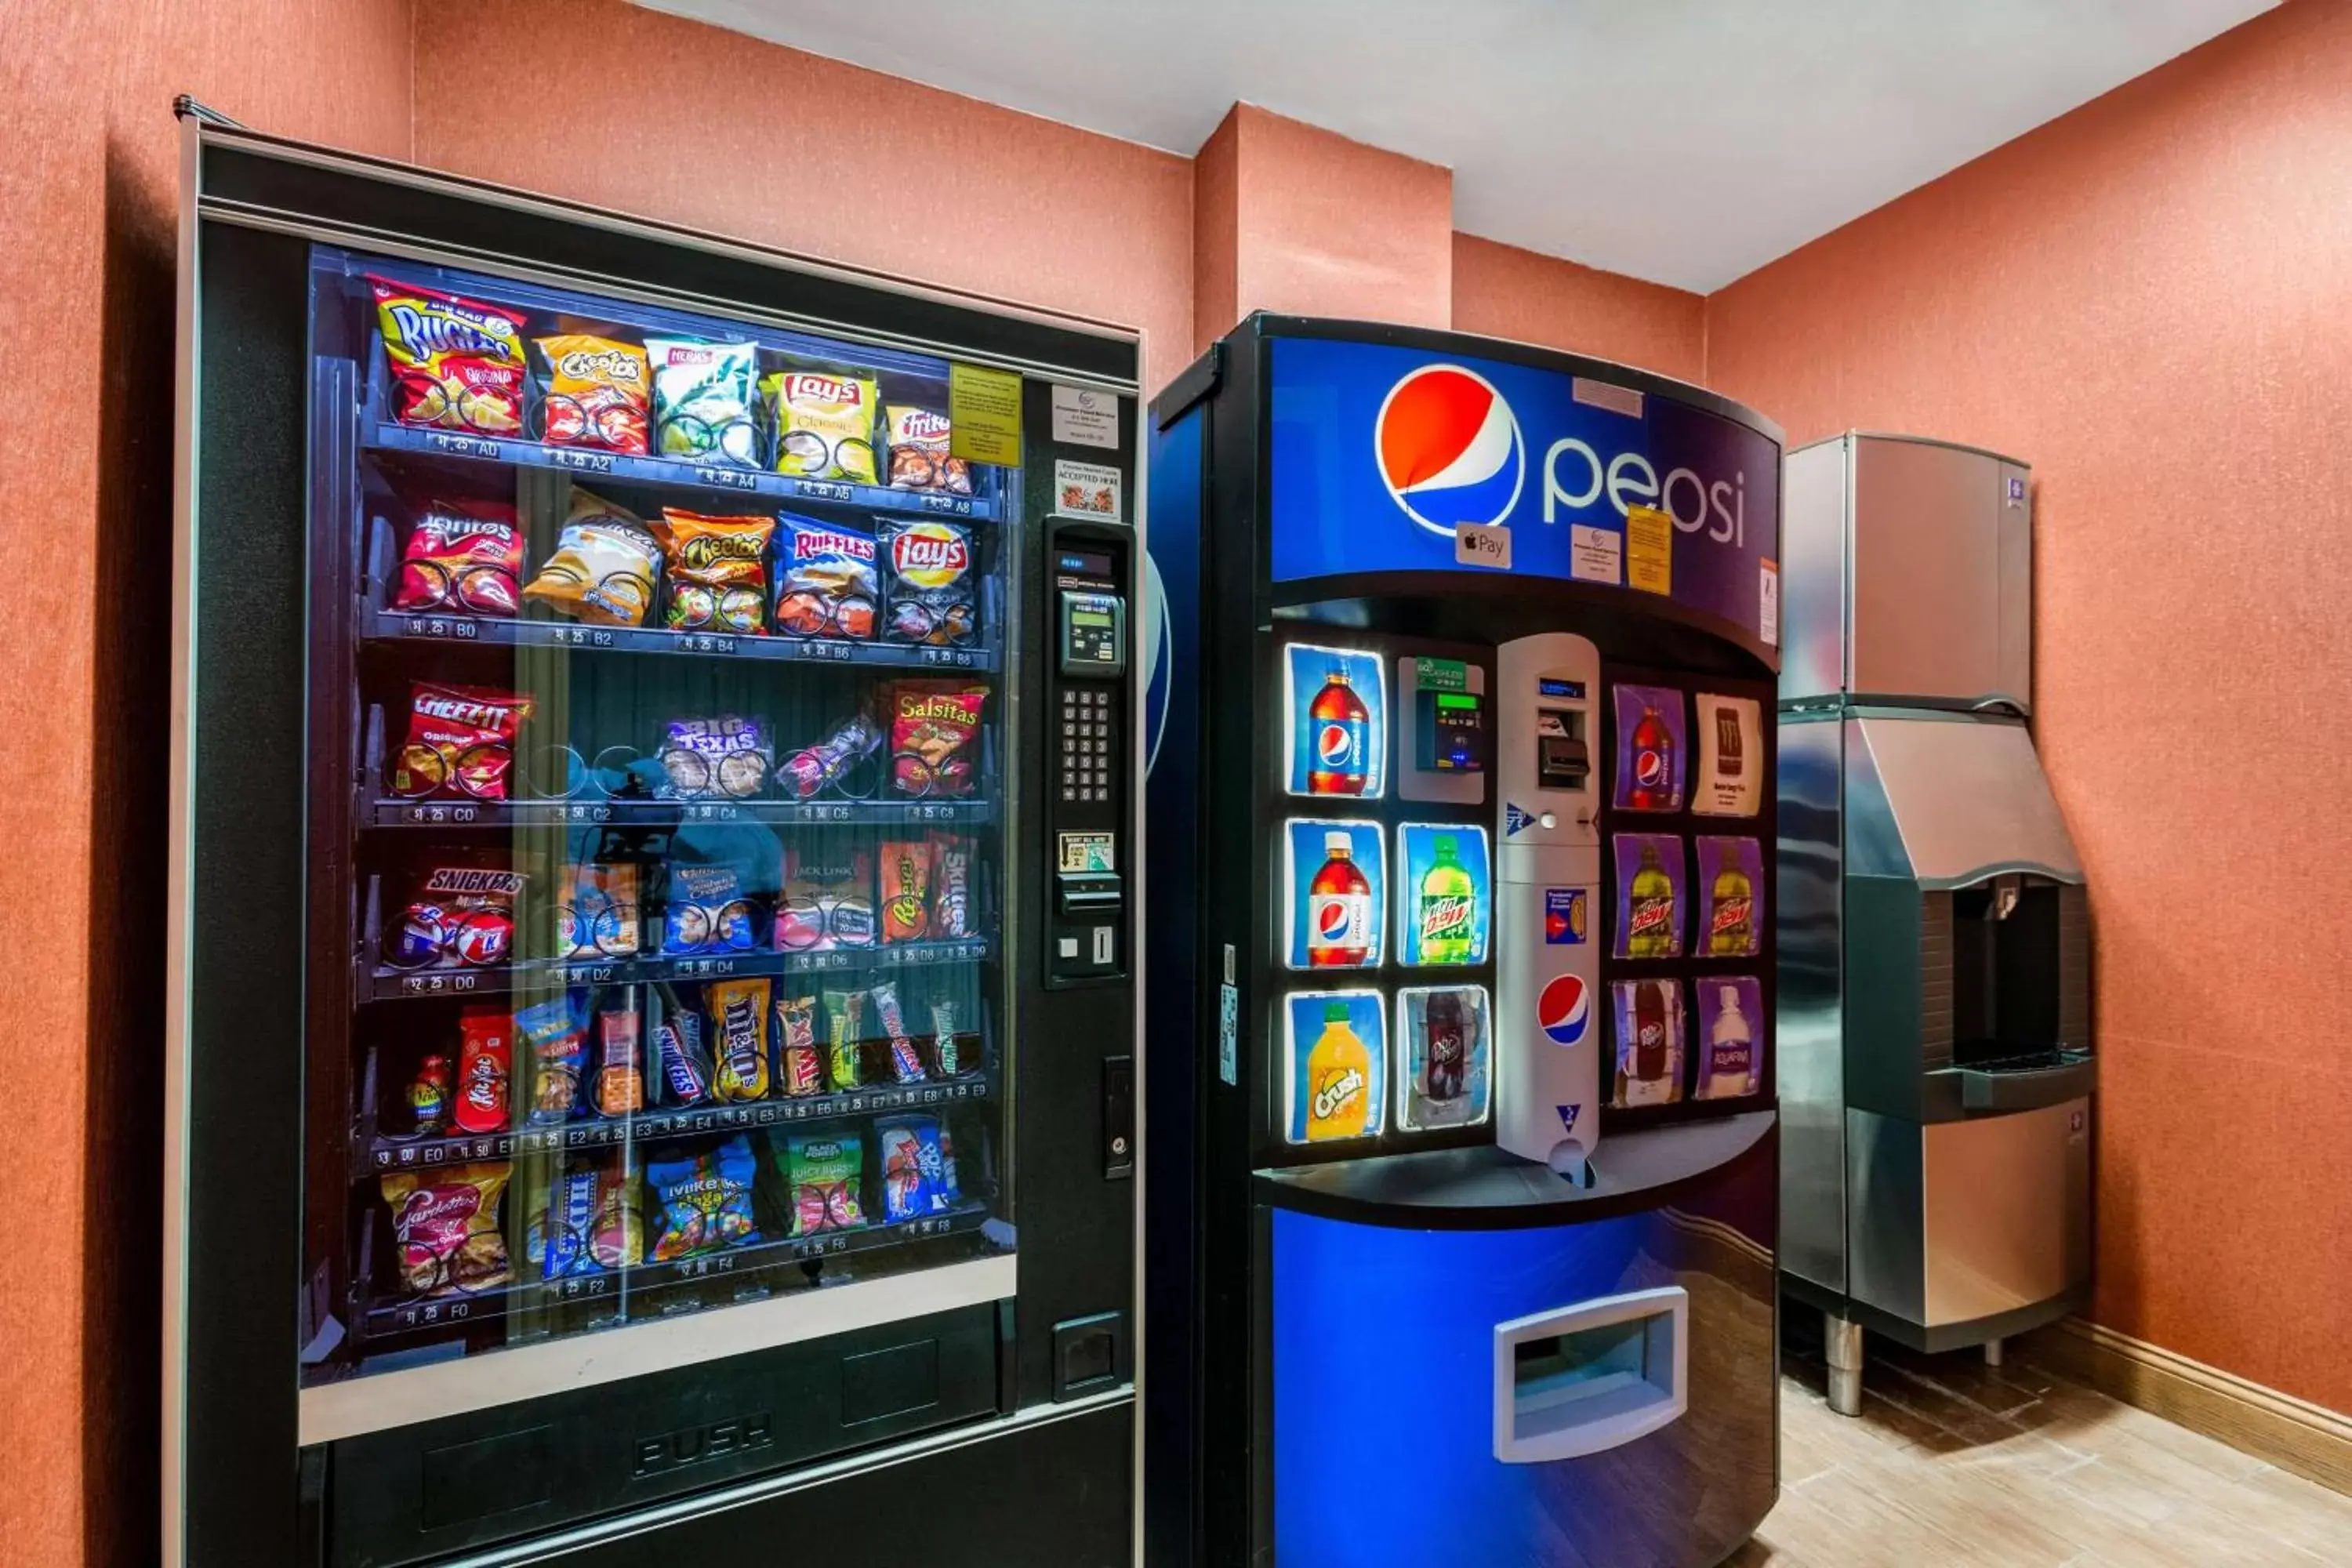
column 455, row 362
column 825, row 424
column 928, row 577
column 702, row 400
column 597, row 394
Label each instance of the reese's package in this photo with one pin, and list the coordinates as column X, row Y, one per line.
column 454, row 363
column 597, row 394
column 605, row 568
column 825, row 424
column 932, row 594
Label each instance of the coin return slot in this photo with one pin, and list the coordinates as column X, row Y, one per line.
column 1591, row 1377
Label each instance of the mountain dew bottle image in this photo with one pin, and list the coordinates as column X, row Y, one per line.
column 1650, row 925
column 1445, row 907
column 1339, row 1080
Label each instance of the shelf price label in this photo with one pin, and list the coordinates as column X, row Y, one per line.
column 727, row 479
column 462, row 445
column 585, row 462
column 824, row 490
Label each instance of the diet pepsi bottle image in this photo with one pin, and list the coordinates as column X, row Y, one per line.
column 1339, row 910
column 1340, row 734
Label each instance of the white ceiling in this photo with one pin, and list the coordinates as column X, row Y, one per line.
column 1687, row 142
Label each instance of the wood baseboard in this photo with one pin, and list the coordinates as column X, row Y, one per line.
column 2295, row 1434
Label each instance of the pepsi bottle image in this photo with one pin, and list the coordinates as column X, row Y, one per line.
column 1340, row 730
column 1654, row 766
column 1339, row 910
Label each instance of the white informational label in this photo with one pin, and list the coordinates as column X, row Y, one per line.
column 1087, row 489
column 1731, row 780
column 1605, row 394
column 1768, row 602
column 1480, row 544
column 1085, row 417
column 1596, row 554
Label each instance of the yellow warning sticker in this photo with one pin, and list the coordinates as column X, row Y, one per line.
column 1649, row 550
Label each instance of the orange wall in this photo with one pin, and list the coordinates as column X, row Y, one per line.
column 90, row 186
column 2150, row 300
column 1502, row 292
column 653, row 115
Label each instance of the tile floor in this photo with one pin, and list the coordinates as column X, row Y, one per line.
column 1953, row 1463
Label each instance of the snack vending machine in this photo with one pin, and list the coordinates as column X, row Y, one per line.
column 1463, row 1223
column 653, row 935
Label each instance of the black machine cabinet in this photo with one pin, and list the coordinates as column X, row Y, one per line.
column 654, row 937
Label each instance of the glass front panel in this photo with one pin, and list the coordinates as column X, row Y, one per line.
column 659, row 784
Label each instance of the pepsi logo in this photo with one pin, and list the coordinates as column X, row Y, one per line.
column 1649, row 769
column 1335, row 744
column 1331, row 920
column 1564, row 1009
column 1449, row 449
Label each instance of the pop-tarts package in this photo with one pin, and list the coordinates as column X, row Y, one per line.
column 1648, row 1016
column 1650, row 897
column 1651, row 752
column 1442, row 1057
column 1335, row 1057
column 1731, row 779
column 1730, row 890
column 918, row 1175
column 1335, row 703
column 1730, row 1036
column 1335, row 893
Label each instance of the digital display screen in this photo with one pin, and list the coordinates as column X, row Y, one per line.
column 1090, row 618
column 1453, row 700
column 1546, row 686
column 1083, row 563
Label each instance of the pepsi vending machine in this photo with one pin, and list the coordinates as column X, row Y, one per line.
column 1464, row 1210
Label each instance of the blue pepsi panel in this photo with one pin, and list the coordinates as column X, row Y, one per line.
column 1417, row 904
column 1336, row 710
column 1384, row 1395
column 1337, row 918
column 1379, row 452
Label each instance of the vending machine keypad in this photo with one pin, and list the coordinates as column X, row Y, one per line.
column 1088, row 767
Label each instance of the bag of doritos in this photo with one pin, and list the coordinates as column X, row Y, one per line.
column 596, row 393
column 463, row 556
